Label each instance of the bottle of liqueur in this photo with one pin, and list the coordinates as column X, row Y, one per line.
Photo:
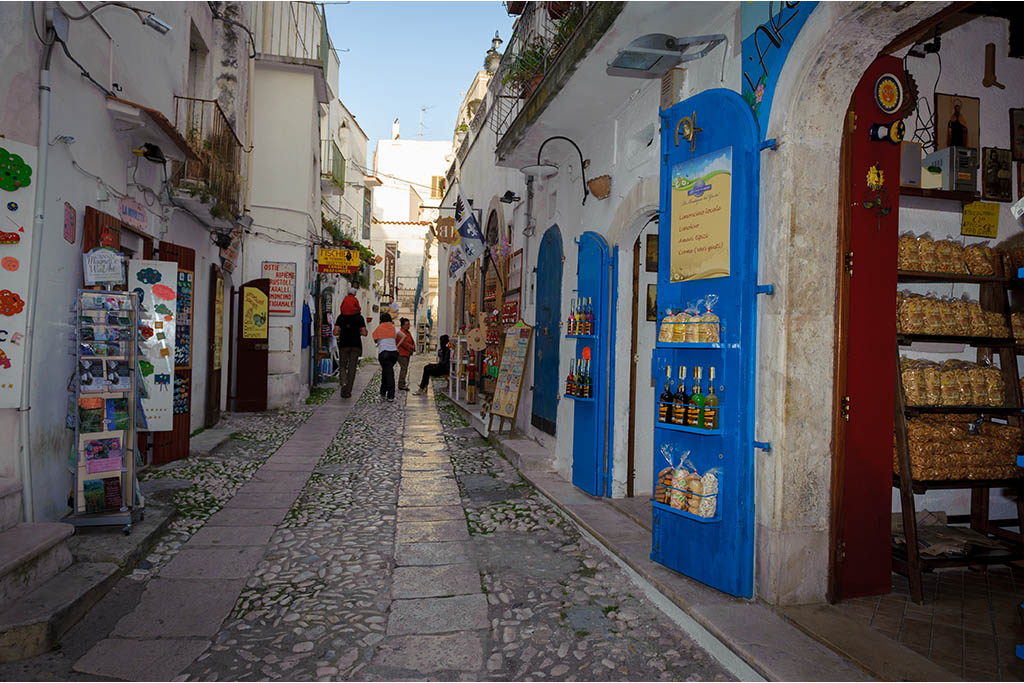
column 711, row 402
column 570, row 381
column 681, row 399
column 590, row 318
column 695, row 414
column 587, row 386
column 569, row 327
column 666, row 411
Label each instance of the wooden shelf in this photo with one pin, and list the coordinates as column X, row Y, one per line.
column 987, row 410
column 909, row 276
column 908, row 339
column 922, row 485
column 949, row 195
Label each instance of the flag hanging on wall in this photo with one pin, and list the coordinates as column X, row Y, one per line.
column 469, row 241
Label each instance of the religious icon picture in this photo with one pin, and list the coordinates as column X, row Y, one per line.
column 996, row 175
column 651, row 254
column 1017, row 134
column 652, row 303
column 1020, row 179
column 956, row 121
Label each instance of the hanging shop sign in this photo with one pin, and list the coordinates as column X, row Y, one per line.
column 133, row 213
column 103, row 266
column 338, row 261
column 156, row 285
column 218, row 323
column 391, row 269
column 701, row 199
column 229, row 254
column 980, row 219
column 255, row 309
column 282, row 287
column 769, row 30
column 16, row 164
column 70, row 221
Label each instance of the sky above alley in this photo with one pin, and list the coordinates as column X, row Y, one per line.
column 402, row 56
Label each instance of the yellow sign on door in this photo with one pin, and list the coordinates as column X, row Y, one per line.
column 255, row 308
column 701, row 212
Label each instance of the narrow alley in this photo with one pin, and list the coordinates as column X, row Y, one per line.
column 381, row 541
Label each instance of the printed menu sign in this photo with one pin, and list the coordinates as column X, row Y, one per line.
column 980, row 219
column 282, row 287
column 254, row 314
column 510, row 371
column 701, row 198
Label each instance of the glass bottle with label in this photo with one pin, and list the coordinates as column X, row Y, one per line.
column 589, row 318
column 681, row 399
column 570, row 323
column 695, row 414
column 570, row 381
column 587, row 383
column 711, row 402
column 665, row 408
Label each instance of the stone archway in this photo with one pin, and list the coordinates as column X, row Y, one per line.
column 797, row 252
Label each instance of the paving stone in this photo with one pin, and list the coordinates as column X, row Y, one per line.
column 449, row 530
column 175, row 608
column 259, row 488
column 242, row 499
column 213, row 563
column 429, row 654
column 431, row 554
column 438, row 615
column 430, row 513
column 225, row 536
column 288, row 465
column 140, row 660
column 411, row 500
column 428, row 582
column 246, row 517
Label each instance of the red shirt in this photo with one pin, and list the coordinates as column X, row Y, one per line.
column 406, row 347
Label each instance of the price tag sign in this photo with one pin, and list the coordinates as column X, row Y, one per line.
column 980, row 219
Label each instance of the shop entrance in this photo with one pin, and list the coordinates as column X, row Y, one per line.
column 214, row 346
column 251, row 343
column 643, row 312
column 547, row 335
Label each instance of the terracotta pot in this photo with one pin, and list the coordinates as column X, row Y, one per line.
column 557, row 10
column 531, row 85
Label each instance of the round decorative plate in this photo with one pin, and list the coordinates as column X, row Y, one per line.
column 475, row 340
column 889, row 93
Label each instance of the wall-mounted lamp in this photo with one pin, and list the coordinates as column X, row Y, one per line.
column 509, row 197
column 654, row 54
column 539, row 170
column 151, row 152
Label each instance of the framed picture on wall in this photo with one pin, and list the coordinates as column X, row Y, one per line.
column 515, row 271
column 1017, row 134
column 996, row 175
column 652, row 303
column 956, row 121
column 651, row 257
column 1020, row 179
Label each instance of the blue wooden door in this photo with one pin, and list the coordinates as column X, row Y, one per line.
column 592, row 419
column 546, row 331
column 707, row 243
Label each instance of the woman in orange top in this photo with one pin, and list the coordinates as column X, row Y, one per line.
column 387, row 338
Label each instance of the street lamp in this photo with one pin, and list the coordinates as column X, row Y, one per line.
column 539, row 170
column 654, row 54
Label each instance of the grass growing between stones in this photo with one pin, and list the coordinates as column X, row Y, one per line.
column 318, row 395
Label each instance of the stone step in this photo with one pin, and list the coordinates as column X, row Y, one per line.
column 10, row 503
column 30, row 555
column 33, row 625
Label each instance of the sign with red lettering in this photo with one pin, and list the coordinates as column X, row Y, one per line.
column 133, row 213
column 282, row 286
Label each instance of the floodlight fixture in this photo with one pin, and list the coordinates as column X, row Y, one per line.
column 654, row 54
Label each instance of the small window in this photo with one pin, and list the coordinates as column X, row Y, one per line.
column 437, row 187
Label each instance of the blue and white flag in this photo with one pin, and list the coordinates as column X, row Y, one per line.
column 469, row 240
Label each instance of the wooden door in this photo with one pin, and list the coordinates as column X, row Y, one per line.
column 214, row 346
column 252, row 346
column 865, row 352
column 546, row 378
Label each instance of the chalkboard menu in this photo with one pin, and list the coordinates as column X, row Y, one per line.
column 510, row 371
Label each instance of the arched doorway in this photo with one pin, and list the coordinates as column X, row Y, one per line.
column 546, row 332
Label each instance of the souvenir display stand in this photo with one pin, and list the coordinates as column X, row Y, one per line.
column 509, row 384
column 590, row 324
column 703, row 512
column 105, row 392
column 458, row 368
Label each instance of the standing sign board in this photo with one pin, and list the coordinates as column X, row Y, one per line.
column 505, row 402
column 708, row 238
column 155, row 283
column 282, row 287
column 17, row 162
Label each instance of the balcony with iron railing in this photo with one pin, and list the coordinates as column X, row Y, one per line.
column 295, row 33
column 548, row 41
column 332, row 168
column 214, row 178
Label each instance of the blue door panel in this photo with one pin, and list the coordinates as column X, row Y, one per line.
column 718, row 550
column 546, row 332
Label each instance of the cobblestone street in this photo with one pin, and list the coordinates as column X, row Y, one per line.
column 413, row 551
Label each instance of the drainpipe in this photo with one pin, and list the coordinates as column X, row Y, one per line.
column 527, row 231
column 38, row 214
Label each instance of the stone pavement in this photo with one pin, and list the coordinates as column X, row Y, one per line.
column 398, row 547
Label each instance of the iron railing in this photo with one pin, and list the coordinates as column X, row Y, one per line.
column 217, row 173
column 295, row 30
column 541, row 34
column 332, row 164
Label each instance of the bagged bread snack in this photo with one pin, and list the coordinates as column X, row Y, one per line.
column 980, row 259
column 709, row 503
column 934, row 314
column 709, row 326
column 996, row 324
column 979, row 321
column 909, row 255
column 665, row 333
column 957, row 264
column 661, row 490
column 696, row 489
column 928, row 251
column 688, row 330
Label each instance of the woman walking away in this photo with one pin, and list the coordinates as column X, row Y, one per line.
column 438, row 369
column 387, row 346
column 349, row 328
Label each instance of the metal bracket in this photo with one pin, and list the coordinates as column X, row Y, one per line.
column 770, row 143
column 765, row 289
column 765, row 446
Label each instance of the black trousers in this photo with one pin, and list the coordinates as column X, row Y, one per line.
column 433, row 370
column 387, row 364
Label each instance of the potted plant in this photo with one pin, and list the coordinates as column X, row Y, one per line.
column 526, row 69
column 565, row 26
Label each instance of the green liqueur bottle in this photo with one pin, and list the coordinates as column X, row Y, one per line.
column 695, row 414
column 711, row 403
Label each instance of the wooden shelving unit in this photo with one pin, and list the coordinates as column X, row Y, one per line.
column 951, row 195
column 909, row 560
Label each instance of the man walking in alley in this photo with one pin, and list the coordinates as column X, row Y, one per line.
column 349, row 328
column 406, row 346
